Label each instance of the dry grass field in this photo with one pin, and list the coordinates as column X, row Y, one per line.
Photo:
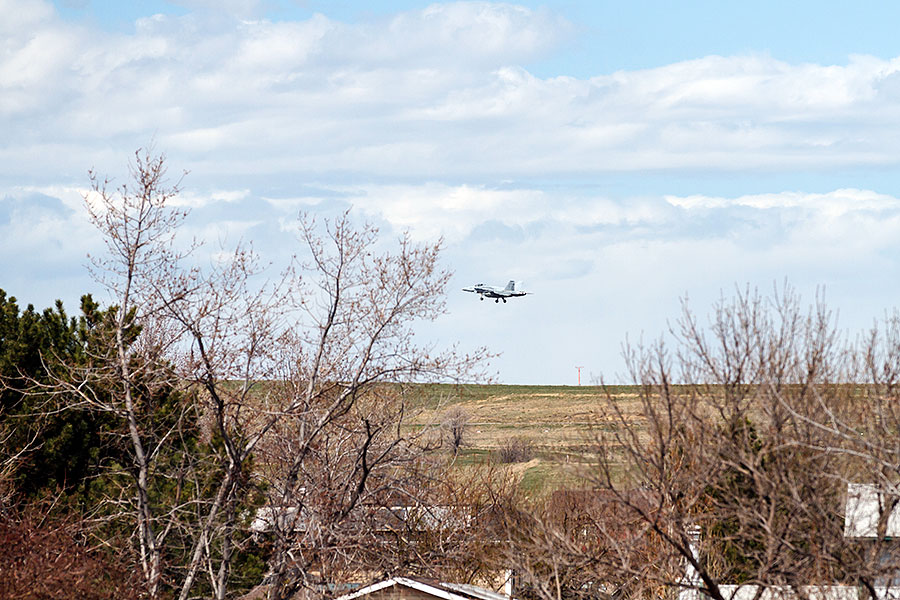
column 554, row 422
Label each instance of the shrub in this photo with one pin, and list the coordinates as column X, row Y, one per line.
column 514, row 450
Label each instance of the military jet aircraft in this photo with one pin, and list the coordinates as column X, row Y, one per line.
column 495, row 292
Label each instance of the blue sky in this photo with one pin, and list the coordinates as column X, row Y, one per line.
column 615, row 156
column 608, row 35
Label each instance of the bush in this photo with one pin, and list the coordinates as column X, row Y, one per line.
column 514, row 450
column 47, row 557
column 455, row 426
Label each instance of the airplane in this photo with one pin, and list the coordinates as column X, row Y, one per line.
column 495, row 292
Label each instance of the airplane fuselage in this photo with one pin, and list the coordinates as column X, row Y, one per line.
column 495, row 292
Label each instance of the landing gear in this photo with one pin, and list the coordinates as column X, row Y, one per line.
column 481, row 298
column 504, row 301
column 496, row 301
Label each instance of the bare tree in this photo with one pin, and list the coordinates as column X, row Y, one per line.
column 573, row 544
column 120, row 377
column 455, row 425
column 296, row 384
column 343, row 448
column 310, row 376
column 47, row 556
column 751, row 429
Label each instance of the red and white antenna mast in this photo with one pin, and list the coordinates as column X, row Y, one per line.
column 579, row 374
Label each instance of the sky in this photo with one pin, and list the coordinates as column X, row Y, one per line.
column 614, row 157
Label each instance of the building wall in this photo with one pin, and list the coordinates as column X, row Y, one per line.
column 399, row 592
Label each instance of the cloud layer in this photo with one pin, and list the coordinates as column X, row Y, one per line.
column 435, row 93
column 610, row 195
column 601, row 268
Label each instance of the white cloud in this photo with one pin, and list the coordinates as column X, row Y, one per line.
column 19, row 16
column 600, row 265
column 435, row 210
column 480, row 32
column 239, row 8
column 45, row 237
column 434, row 93
column 455, row 212
column 595, row 285
column 72, row 197
column 835, row 228
column 192, row 199
column 432, row 120
column 836, row 203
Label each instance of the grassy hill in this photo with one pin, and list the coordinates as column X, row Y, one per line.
column 554, row 422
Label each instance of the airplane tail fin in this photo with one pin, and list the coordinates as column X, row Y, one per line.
column 511, row 286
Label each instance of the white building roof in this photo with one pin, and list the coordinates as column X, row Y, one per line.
column 444, row 591
column 866, row 503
